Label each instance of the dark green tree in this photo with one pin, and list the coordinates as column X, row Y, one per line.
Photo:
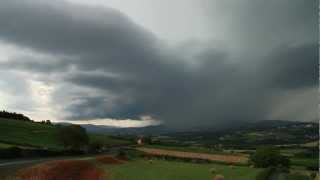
column 269, row 157
column 73, row 137
column 95, row 146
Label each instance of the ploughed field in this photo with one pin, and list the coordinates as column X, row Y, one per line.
column 62, row 170
column 211, row 157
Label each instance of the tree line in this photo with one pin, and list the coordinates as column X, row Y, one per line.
column 14, row 115
column 21, row 117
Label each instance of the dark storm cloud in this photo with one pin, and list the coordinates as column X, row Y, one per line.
column 293, row 67
column 82, row 30
column 37, row 64
column 264, row 24
column 131, row 73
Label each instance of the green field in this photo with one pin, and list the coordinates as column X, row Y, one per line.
column 30, row 134
column 304, row 162
column 171, row 170
column 293, row 177
column 108, row 140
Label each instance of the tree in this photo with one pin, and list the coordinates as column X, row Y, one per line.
column 73, row 137
column 48, row 122
column 269, row 157
column 147, row 140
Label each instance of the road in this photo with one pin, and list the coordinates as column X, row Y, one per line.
column 14, row 163
column 8, row 168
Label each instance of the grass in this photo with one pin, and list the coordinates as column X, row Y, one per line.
column 171, row 170
column 20, row 133
column 29, row 134
column 293, row 177
column 304, row 162
column 5, row 145
column 311, row 144
column 108, row 140
column 292, row 151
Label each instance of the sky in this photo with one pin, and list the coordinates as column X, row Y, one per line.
column 181, row 63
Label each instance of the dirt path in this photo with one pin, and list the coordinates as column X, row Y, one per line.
column 8, row 168
column 211, row 157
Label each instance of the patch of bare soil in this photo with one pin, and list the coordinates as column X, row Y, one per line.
column 105, row 159
column 61, row 170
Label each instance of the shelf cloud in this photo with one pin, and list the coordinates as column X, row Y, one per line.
column 96, row 63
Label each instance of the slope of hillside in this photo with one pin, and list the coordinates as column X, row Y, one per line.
column 31, row 134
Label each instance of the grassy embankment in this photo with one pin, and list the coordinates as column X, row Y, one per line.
column 28, row 134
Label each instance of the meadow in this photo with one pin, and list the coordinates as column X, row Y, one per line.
column 35, row 135
column 170, row 170
column 109, row 167
column 29, row 134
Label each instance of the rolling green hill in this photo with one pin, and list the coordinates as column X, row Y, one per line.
column 30, row 134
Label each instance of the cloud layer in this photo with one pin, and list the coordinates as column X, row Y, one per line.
column 100, row 65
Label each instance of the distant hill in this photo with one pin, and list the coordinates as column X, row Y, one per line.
column 268, row 132
column 149, row 130
column 162, row 129
column 275, row 132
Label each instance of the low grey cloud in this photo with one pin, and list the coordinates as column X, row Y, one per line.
column 257, row 26
column 105, row 66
